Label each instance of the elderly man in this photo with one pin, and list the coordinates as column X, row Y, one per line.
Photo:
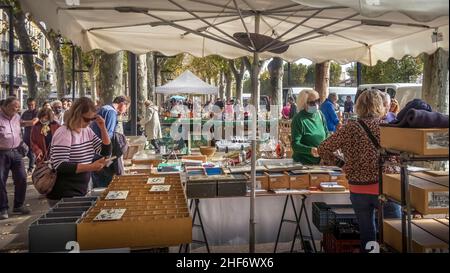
column 11, row 159
column 58, row 110
column 328, row 110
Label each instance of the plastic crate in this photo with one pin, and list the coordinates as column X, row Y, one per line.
column 325, row 219
column 333, row 245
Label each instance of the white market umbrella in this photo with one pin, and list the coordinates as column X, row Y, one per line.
column 187, row 83
column 341, row 30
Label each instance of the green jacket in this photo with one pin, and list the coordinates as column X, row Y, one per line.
column 307, row 131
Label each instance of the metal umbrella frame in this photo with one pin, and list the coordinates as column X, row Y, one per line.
column 289, row 14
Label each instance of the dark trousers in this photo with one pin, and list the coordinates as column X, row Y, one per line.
column 365, row 206
column 31, row 158
column 12, row 161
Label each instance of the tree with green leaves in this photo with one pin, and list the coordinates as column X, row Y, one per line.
column 20, row 21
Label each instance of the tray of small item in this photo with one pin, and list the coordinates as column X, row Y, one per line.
column 145, row 219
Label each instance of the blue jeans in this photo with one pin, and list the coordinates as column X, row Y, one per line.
column 364, row 206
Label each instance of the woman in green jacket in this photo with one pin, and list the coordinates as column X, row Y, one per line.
column 308, row 128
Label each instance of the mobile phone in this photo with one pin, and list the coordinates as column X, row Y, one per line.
column 110, row 159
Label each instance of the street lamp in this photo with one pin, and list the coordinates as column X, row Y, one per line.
column 62, row 42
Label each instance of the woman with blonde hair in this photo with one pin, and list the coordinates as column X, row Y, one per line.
column 359, row 142
column 308, row 128
column 73, row 148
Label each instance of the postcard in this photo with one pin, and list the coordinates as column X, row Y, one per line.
column 110, row 214
column 117, row 195
column 160, row 188
column 156, row 180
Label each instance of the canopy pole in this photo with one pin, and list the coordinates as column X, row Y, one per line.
column 255, row 74
column 132, row 67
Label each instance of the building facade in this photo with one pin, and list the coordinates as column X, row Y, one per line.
column 43, row 62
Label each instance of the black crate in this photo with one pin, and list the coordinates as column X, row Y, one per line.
column 237, row 186
column 325, row 218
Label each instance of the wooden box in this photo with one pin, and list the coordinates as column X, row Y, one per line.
column 428, row 235
column 340, row 178
column 425, row 196
column 278, row 180
column 261, row 179
column 151, row 219
column 429, row 142
column 317, row 178
column 298, row 181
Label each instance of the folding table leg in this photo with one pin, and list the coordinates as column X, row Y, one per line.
column 297, row 228
column 281, row 224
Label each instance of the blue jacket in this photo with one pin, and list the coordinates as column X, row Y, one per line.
column 109, row 114
column 327, row 109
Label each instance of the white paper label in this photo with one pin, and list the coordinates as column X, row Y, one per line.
column 334, row 178
column 437, row 140
column 438, row 200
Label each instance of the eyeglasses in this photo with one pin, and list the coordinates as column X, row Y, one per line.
column 312, row 103
column 89, row 119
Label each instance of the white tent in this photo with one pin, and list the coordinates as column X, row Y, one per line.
column 320, row 30
column 187, row 83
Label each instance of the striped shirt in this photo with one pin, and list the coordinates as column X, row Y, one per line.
column 73, row 147
column 69, row 149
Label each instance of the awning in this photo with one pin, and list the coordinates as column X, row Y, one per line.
column 187, row 83
column 320, row 30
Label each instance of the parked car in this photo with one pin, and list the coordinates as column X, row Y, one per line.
column 264, row 101
column 402, row 92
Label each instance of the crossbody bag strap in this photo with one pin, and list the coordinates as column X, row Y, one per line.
column 369, row 134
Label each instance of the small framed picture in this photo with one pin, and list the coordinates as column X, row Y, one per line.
column 160, row 188
column 156, row 180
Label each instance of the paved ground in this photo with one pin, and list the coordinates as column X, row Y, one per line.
column 14, row 231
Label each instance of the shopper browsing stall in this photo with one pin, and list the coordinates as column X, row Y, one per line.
column 359, row 142
column 152, row 124
column 28, row 120
column 308, row 128
column 329, row 111
column 42, row 134
column 11, row 158
column 73, row 148
column 388, row 116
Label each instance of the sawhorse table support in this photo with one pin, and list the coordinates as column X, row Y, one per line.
column 298, row 218
column 200, row 225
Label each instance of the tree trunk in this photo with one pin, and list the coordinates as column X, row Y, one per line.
column 111, row 76
column 251, row 68
column 322, row 79
column 142, row 92
column 228, row 83
column 435, row 79
column 221, row 86
column 92, row 77
column 55, row 46
column 28, row 60
column 238, row 77
column 80, row 75
column 151, row 84
column 276, row 71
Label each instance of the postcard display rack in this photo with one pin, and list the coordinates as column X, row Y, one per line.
column 417, row 235
column 151, row 212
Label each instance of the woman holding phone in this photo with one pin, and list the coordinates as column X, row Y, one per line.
column 73, row 148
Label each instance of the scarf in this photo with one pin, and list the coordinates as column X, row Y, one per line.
column 45, row 128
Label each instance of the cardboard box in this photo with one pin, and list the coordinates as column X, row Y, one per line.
column 428, row 235
column 429, row 142
column 316, row 179
column 298, row 181
column 425, row 196
column 278, row 181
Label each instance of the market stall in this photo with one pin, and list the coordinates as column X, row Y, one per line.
column 318, row 30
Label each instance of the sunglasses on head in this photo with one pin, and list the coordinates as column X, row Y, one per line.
column 312, row 103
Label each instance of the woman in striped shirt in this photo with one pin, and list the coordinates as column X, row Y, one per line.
column 73, row 148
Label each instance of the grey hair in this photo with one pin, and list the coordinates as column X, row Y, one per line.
column 332, row 96
column 55, row 102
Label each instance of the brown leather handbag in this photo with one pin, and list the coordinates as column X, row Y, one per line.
column 44, row 177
